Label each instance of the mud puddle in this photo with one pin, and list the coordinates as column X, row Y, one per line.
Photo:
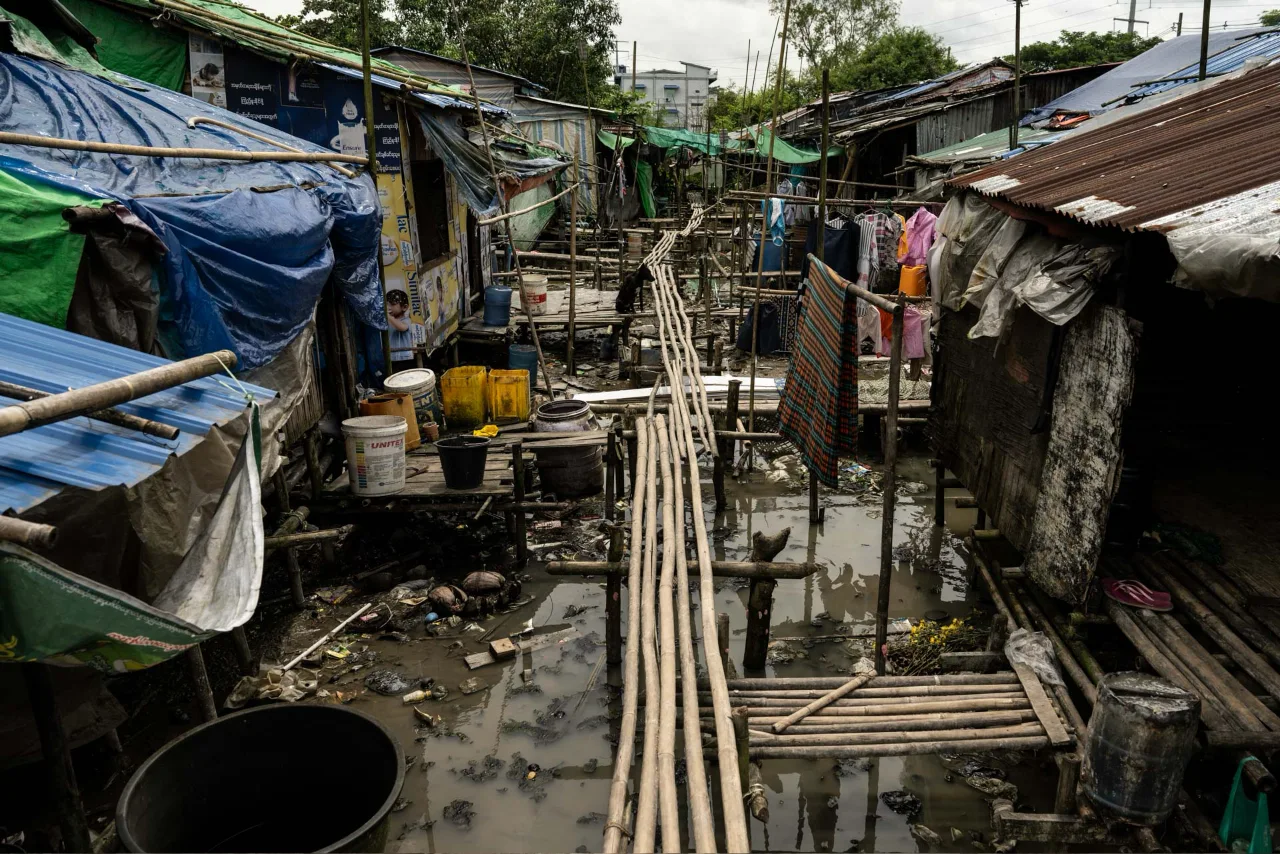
column 525, row 765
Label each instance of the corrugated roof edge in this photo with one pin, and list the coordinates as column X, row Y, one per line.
column 379, row 51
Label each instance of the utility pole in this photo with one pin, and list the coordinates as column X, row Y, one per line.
column 1017, row 73
column 1179, row 24
column 1204, row 41
column 634, row 59
column 1133, row 13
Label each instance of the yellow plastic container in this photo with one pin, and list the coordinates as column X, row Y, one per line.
column 509, row 396
column 463, row 392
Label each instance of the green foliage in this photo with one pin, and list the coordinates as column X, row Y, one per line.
column 630, row 106
column 564, row 45
column 821, row 31
column 901, row 56
column 1270, row 18
column 1075, row 48
column 734, row 109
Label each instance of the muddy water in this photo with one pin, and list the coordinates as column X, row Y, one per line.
column 533, row 758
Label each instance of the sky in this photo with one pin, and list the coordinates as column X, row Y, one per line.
column 716, row 32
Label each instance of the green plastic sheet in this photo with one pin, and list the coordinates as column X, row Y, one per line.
column 29, row 40
column 39, row 254
column 610, row 140
column 644, row 185
column 130, row 45
column 785, row 152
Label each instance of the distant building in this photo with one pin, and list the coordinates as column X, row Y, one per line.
column 682, row 97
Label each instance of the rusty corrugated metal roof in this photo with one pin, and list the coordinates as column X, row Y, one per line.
column 1201, row 160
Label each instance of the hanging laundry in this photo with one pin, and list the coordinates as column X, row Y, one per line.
column 840, row 250
column 920, row 234
column 818, row 410
column 902, row 237
column 868, row 326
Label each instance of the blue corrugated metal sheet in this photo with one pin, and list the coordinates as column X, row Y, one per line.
column 1266, row 45
column 37, row 464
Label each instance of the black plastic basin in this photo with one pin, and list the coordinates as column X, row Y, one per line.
column 271, row 779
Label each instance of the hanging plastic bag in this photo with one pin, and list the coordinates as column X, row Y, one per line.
column 1035, row 651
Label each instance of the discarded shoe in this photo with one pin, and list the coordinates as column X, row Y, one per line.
column 1135, row 594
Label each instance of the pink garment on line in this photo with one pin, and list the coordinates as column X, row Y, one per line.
column 912, row 335
column 920, row 232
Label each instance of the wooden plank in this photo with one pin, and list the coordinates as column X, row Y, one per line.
column 480, row 659
column 1041, row 705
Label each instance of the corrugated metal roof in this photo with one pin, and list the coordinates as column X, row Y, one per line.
column 1206, row 157
column 1262, row 45
column 436, row 99
column 37, row 464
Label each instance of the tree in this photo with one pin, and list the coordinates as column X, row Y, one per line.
column 1072, row 49
column 560, row 44
column 900, row 56
column 820, row 30
column 1270, row 19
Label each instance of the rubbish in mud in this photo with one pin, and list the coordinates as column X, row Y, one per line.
column 480, row 771
column 592, row 818
column 400, row 804
column 971, row 765
column 782, row 652
column 439, row 693
column 431, row 617
column 957, row 834
column 412, row 601
column 925, row 834
column 414, row 697
column 447, row 599
column 590, row 766
column 338, row 653
column 849, row 767
column 902, row 802
column 864, row 667
column 503, row 648
column 378, row 618
column 483, row 583
column 994, row 787
column 1034, row 650
column 274, row 684
column 574, row 610
column 427, row 718
column 833, row 803
column 387, row 682
column 471, row 686
column 460, row 812
column 334, row 595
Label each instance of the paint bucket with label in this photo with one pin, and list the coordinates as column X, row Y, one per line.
column 375, row 453
column 535, row 293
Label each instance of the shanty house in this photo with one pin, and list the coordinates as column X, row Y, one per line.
column 1109, row 302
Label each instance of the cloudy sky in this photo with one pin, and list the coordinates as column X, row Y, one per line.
column 715, row 32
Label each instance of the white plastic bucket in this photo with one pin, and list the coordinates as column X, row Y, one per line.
column 535, row 291
column 421, row 383
column 375, row 453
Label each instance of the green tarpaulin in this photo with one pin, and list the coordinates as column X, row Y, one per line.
column 610, row 140
column 644, row 186
column 39, row 254
column 785, row 152
column 675, row 137
column 28, row 39
column 131, row 45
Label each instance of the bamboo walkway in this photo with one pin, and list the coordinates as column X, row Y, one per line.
column 751, row 719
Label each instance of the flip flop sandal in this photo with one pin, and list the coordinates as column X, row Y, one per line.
column 1135, row 594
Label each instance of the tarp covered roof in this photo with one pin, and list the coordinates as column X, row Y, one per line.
column 243, row 268
column 37, row 464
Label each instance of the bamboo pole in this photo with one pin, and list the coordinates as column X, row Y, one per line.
column 830, row 697
column 505, row 208
column 68, row 404
column 889, row 490
column 307, row 538
column 108, row 416
column 644, row 827
column 196, row 121
column 797, row 703
column 9, row 138
column 892, row 692
column 848, row 739
column 506, row 216
column 905, row 723
column 616, row 816
column 570, row 363
column 30, row 534
column 1208, row 587
column 669, row 809
column 828, row 682
column 919, row 748
column 699, row 802
column 56, row 750
column 991, row 704
column 769, row 188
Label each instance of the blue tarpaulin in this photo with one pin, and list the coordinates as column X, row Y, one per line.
column 250, row 243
